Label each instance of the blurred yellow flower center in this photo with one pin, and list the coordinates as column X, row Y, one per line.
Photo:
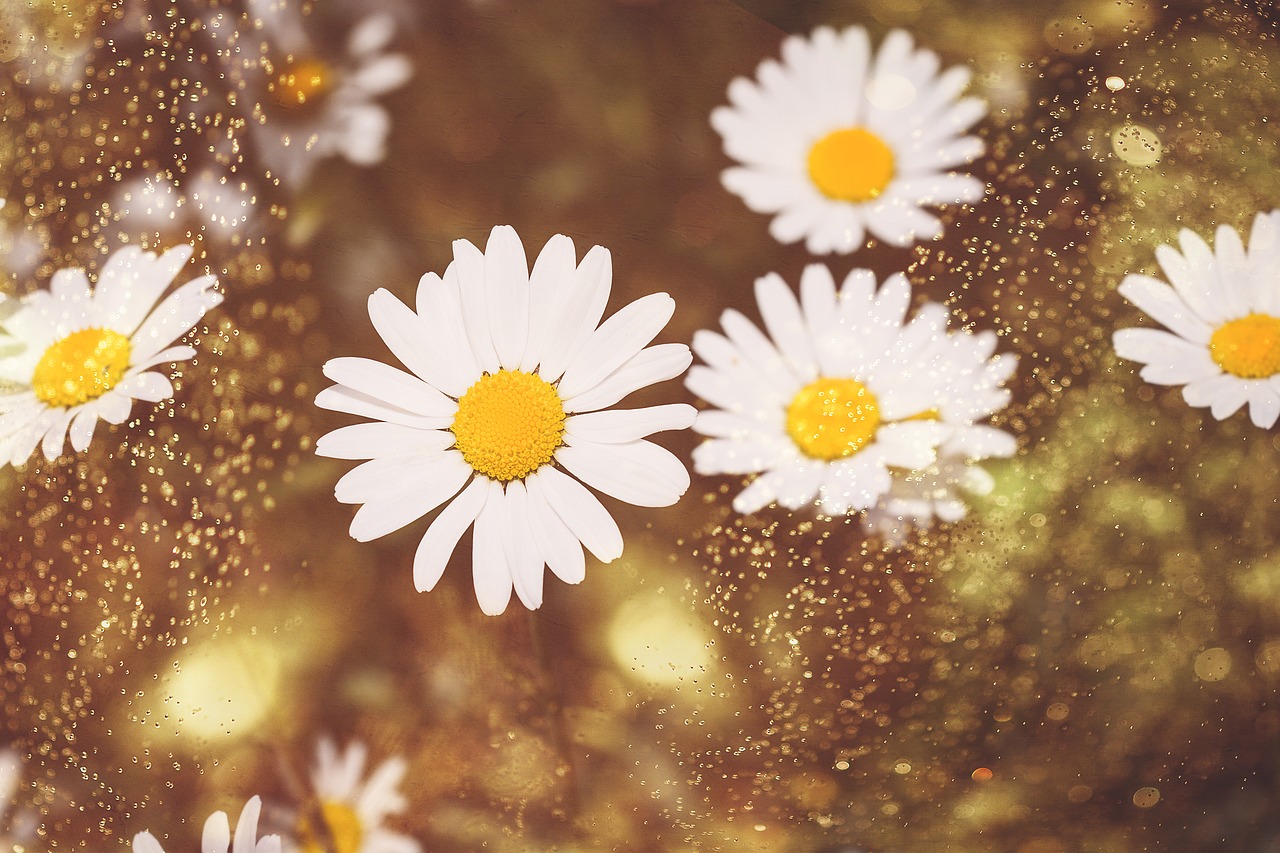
column 1248, row 347
column 342, row 825
column 301, row 82
column 81, row 367
column 833, row 418
column 851, row 165
column 509, row 424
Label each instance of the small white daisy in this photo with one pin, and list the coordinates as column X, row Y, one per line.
column 216, row 837
column 1223, row 317
column 510, row 388
column 843, row 395
column 838, row 142
column 85, row 353
column 353, row 809
column 314, row 108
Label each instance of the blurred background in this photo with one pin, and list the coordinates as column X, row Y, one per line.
column 1089, row 662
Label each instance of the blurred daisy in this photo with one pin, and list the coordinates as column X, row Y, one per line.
column 86, row 353
column 938, row 492
column 353, row 811
column 315, row 108
column 16, row 826
column 211, row 201
column 512, row 379
column 1222, row 313
column 216, row 837
column 838, row 141
column 842, row 396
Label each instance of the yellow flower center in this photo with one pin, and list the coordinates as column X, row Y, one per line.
column 1248, row 347
column 343, row 831
column 851, row 165
column 833, row 418
column 81, row 367
column 300, row 83
column 509, row 424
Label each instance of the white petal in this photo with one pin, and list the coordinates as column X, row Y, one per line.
column 506, row 272
column 150, row 387
column 442, row 536
column 1164, row 306
column 450, row 365
column 428, row 485
column 247, row 826
column 560, row 548
column 391, row 386
column 614, row 426
column 785, row 323
column 577, row 312
column 524, row 556
column 490, row 571
column 403, row 333
column 615, row 342
column 379, row 438
column 145, row 842
column 638, row 472
column 368, row 480
column 653, row 364
column 469, row 267
column 216, row 835
column 173, row 317
column 581, row 512
column 552, row 273
column 340, row 399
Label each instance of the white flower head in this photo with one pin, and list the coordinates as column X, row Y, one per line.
column 210, row 201
column 315, row 108
column 843, row 395
column 84, row 353
column 511, row 378
column 838, row 141
column 217, row 838
column 353, row 808
column 1222, row 314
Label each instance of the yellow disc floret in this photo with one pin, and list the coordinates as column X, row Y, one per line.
column 833, row 418
column 81, row 367
column 851, row 165
column 300, row 83
column 1248, row 347
column 509, row 424
column 343, row 830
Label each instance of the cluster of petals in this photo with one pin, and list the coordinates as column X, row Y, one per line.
column 217, row 838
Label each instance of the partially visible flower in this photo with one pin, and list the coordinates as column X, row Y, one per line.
column 84, row 353
column 513, row 376
column 314, row 108
column 210, row 201
column 844, row 397
column 216, row 837
column 350, row 809
column 1222, row 313
column 17, row 827
column 915, row 500
column 21, row 248
column 838, row 141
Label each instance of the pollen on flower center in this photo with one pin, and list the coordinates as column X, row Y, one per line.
column 1248, row 347
column 343, row 830
column 81, row 367
column 833, row 418
column 509, row 424
column 300, row 83
column 852, row 164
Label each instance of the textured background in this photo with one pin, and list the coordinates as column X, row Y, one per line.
column 1089, row 662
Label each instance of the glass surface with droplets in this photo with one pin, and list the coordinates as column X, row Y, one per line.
column 1087, row 661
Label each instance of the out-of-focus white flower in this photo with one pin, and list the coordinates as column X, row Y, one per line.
column 353, row 809
column 79, row 353
column 216, row 837
column 1222, row 313
column 838, row 141
column 844, row 396
column 313, row 108
column 212, row 202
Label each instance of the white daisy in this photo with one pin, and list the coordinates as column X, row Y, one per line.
column 86, row 353
column 216, row 837
column 843, row 394
column 1223, row 317
column 510, row 387
column 352, row 810
column 838, row 142
column 212, row 201
column 315, row 108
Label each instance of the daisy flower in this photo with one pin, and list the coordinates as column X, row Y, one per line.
column 315, row 108
column 512, row 376
column 843, row 395
column 85, row 353
column 353, row 811
column 837, row 141
column 216, row 837
column 1222, row 314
